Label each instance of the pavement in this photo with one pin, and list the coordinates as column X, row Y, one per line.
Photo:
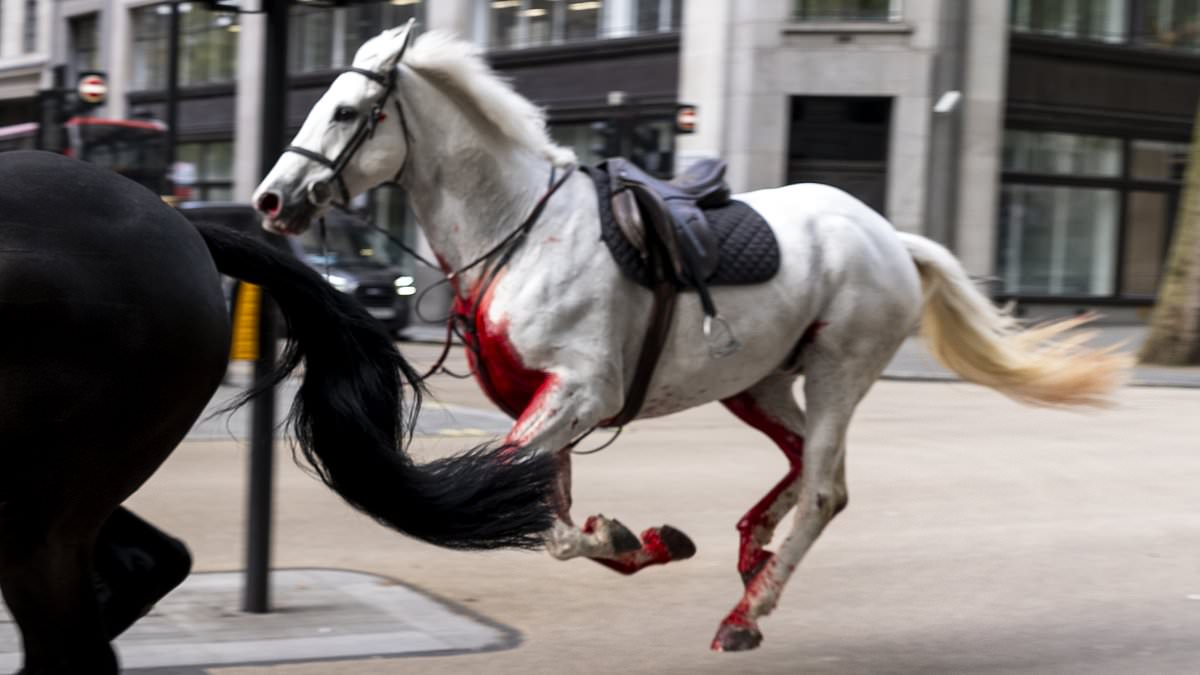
column 982, row 537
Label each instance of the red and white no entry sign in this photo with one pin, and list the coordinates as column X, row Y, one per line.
column 685, row 119
column 92, row 88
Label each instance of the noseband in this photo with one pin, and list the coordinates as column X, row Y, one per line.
column 364, row 131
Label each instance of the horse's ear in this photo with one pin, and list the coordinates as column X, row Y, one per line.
column 399, row 40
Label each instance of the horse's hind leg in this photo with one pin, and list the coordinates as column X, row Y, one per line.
column 835, row 382
column 770, row 407
column 136, row 566
column 46, row 577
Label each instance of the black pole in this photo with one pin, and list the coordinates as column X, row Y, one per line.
column 256, row 594
column 172, row 112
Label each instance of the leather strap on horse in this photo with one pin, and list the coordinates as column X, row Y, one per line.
column 661, row 313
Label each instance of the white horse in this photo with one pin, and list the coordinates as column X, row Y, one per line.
column 558, row 328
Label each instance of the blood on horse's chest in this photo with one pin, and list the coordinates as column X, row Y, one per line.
column 498, row 368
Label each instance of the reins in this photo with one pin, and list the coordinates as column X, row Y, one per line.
column 458, row 324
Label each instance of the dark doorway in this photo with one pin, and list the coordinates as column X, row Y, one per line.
column 843, row 142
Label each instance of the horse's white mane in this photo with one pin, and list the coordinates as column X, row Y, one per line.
column 458, row 64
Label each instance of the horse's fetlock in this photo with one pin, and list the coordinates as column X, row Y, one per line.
column 829, row 504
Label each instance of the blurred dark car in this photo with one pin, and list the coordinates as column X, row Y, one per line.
column 349, row 256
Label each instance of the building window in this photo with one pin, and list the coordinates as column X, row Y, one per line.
column 847, row 10
column 841, row 141
column 1171, row 24
column 513, row 24
column 1086, row 216
column 326, row 38
column 85, row 49
column 1058, row 240
column 29, row 33
column 208, row 46
column 1166, row 24
column 1103, row 20
column 205, row 170
column 1061, row 154
column 310, row 38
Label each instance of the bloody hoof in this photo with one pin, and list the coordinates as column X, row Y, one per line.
column 679, row 545
column 623, row 539
column 736, row 638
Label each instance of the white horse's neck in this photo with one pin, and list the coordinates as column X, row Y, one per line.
column 468, row 188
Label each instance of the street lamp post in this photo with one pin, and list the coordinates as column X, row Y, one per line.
column 257, row 591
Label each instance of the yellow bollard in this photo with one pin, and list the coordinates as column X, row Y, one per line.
column 245, row 323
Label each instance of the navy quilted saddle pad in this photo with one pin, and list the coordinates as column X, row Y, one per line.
column 749, row 250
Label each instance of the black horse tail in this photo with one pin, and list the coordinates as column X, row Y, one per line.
column 349, row 417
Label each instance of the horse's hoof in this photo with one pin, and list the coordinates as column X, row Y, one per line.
column 736, row 638
column 679, row 545
column 623, row 539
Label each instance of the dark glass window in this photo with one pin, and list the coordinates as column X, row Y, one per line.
column 847, row 10
column 658, row 15
column 310, row 38
column 29, row 31
column 1171, row 24
column 1103, row 20
column 1086, row 216
column 85, row 51
column 208, row 45
column 531, row 23
column 205, row 170
column 841, row 141
column 325, row 38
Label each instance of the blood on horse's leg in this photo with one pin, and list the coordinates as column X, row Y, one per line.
column 770, row 408
column 658, row 546
column 833, row 388
column 553, row 418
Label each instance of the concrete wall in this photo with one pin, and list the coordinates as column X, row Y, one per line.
column 982, row 136
column 21, row 71
column 768, row 58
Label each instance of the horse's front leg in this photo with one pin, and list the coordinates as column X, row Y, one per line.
column 562, row 411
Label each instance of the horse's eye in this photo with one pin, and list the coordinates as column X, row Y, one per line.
column 344, row 114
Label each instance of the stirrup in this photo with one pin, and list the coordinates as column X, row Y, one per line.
column 721, row 340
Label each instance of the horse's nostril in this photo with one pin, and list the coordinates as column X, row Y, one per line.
column 269, row 204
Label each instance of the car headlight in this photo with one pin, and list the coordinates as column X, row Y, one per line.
column 342, row 283
column 406, row 290
column 404, row 286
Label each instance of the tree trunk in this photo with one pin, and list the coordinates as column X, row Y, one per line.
column 1174, row 338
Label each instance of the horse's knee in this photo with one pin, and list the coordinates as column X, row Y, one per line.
column 832, row 502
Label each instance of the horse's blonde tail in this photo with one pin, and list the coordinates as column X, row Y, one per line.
column 985, row 344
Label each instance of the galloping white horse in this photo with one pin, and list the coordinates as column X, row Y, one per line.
column 558, row 328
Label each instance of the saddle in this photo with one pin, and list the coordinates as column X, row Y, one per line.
column 671, row 236
column 675, row 211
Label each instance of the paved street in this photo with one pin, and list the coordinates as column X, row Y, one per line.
column 981, row 537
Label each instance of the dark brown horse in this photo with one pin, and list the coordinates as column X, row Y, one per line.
column 113, row 335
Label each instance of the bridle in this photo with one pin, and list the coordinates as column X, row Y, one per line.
column 364, row 131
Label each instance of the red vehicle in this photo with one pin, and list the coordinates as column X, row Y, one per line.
column 136, row 149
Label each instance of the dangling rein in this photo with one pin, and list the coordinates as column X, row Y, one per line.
column 501, row 253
